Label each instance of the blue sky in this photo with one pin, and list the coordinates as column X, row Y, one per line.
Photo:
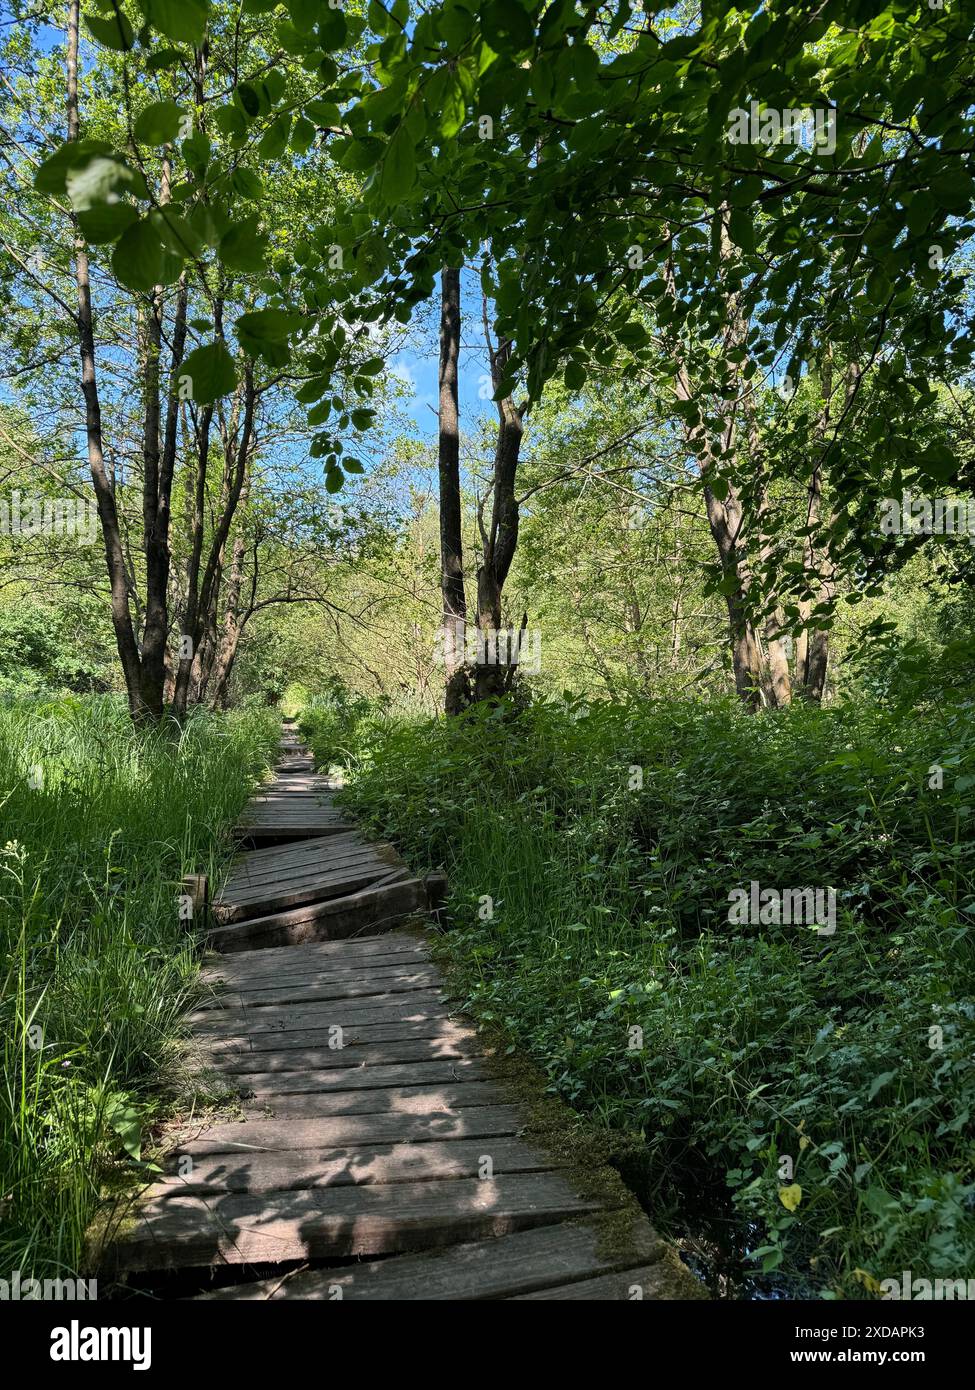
column 417, row 367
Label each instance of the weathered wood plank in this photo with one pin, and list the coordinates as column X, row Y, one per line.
column 300, row 993
column 500, row 1268
column 437, row 1099
column 271, row 1135
column 315, row 975
column 381, row 1008
column 374, row 909
column 264, row 958
column 437, row 1027
column 351, row 1055
column 282, row 878
column 274, row 1085
column 655, row 1281
column 315, row 1167
column 241, row 1228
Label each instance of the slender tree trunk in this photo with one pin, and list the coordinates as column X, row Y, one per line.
column 125, row 638
column 196, row 506
column 457, row 693
column 226, row 653
column 493, row 676
column 813, row 648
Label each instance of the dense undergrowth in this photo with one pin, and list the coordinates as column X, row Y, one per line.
column 821, row 1085
column 98, row 824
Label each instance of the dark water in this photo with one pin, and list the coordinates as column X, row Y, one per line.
column 711, row 1237
column 719, row 1258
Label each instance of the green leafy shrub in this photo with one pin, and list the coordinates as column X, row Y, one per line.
column 823, row 1083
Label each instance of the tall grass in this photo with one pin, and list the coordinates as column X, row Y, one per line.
column 822, row 1088
column 98, row 825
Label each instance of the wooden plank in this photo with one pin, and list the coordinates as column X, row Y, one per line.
column 243, row 1228
column 312, row 858
column 381, row 1008
column 316, row 1167
column 310, row 888
column 368, row 910
column 300, row 993
column 248, row 878
column 656, row 1281
column 352, row 1055
column 269, row 980
column 433, row 1100
column 277, row 1084
column 338, row 1131
column 309, row 851
column 264, row 958
column 499, row 1268
column 283, row 878
column 435, row 1027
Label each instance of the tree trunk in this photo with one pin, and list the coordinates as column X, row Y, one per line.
column 457, row 693
column 125, row 639
column 494, row 670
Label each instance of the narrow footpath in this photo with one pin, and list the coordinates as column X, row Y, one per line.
column 373, row 1152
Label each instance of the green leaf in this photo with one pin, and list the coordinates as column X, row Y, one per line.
column 302, row 135
column 206, row 374
column 163, row 58
column 879, row 1082
column 575, row 376
column 182, row 20
column 937, row 461
column 243, row 247
column 126, row 1122
column 158, row 124
column 334, row 479
column 196, row 150
column 274, row 141
column 176, row 232
column 114, row 31
column 138, row 257
column 454, row 111
column 399, row 167
column 506, row 26
column 52, row 175
column 247, row 184
column 99, row 179
column 256, row 331
column 106, row 222
column 304, row 13
column 332, row 29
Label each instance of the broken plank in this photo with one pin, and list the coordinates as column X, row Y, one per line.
column 357, row 913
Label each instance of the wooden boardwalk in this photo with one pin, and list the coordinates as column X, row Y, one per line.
column 373, row 1154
